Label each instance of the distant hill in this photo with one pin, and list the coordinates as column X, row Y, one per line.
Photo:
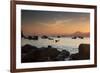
column 78, row 33
column 87, row 34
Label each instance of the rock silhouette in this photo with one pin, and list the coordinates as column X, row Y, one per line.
column 75, row 37
column 29, row 37
column 34, row 54
column 50, row 38
column 62, row 55
column 31, row 53
column 35, row 38
column 58, row 36
column 56, row 41
column 44, row 37
column 84, row 52
column 80, row 37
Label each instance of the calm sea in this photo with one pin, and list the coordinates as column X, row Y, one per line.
column 63, row 43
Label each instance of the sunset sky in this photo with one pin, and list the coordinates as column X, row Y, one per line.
column 54, row 23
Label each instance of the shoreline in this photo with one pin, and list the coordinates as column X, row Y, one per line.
column 33, row 54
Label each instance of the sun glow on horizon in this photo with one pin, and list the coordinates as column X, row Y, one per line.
column 54, row 23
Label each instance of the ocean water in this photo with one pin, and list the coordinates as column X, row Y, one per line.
column 64, row 43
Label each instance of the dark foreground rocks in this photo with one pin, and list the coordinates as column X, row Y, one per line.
column 84, row 53
column 62, row 55
column 33, row 54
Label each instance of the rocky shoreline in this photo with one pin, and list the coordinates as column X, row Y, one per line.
column 31, row 53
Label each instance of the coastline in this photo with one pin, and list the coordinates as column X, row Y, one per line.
column 31, row 53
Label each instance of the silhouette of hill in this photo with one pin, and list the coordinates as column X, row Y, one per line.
column 78, row 33
column 87, row 34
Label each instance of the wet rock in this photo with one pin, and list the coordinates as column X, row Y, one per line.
column 27, row 48
column 48, row 54
column 62, row 56
column 44, row 37
column 50, row 38
column 58, row 36
column 35, row 38
column 56, row 41
column 30, row 37
column 28, row 53
column 33, row 54
column 80, row 37
column 84, row 52
column 74, row 37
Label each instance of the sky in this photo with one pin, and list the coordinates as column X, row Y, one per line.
column 54, row 23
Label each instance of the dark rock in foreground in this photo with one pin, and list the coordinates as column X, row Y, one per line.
column 84, row 53
column 28, row 53
column 63, row 54
column 33, row 54
column 27, row 48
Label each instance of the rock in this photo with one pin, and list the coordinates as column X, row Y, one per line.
column 48, row 54
column 80, row 37
column 50, row 38
column 27, row 48
column 75, row 56
column 35, row 38
column 74, row 37
column 33, row 54
column 29, row 57
column 28, row 53
column 22, row 35
column 32, row 37
column 44, row 37
column 58, row 36
column 84, row 53
column 56, row 41
column 29, row 37
column 62, row 56
column 49, row 46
